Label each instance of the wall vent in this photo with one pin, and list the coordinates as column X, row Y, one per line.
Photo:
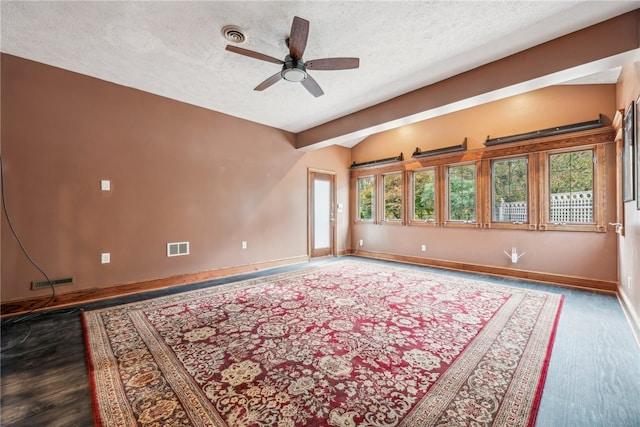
column 46, row 284
column 177, row 248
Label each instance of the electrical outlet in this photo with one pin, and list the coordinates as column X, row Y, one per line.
column 423, row 247
column 244, row 245
column 361, row 243
column 105, row 257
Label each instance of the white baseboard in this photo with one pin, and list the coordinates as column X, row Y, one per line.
column 632, row 316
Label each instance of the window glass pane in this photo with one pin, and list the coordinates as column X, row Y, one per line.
column 424, row 195
column 321, row 214
column 365, row 198
column 462, row 192
column 509, row 190
column 571, row 187
column 393, row 197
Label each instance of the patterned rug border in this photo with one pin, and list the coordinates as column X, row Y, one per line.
column 425, row 413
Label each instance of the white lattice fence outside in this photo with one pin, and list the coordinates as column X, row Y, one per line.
column 572, row 207
column 565, row 208
column 511, row 211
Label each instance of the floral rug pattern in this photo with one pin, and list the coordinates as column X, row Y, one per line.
column 343, row 344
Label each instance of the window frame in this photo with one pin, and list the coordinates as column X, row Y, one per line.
column 531, row 223
column 383, row 199
column 476, row 223
column 437, row 170
column 544, row 211
column 374, row 201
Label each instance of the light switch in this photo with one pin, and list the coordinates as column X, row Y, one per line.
column 106, row 257
column 105, row 185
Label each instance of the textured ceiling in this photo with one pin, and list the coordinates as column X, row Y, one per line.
column 176, row 49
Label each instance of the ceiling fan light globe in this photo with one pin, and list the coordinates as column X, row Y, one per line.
column 293, row 74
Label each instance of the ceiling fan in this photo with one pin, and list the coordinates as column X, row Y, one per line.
column 294, row 69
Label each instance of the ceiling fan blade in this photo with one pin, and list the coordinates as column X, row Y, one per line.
column 269, row 82
column 333, row 64
column 253, row 54
column 312, row 86
column 298, row 37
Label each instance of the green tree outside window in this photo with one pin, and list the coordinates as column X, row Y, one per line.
column 462, row 193
column 571, row 172
column 365, row 198
column 393, row 197
column 424, row 195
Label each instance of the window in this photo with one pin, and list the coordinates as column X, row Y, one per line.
column 571, row 187
column 366, row 198
column 509, row 190
column 572, row 194
column 556, row 184
column 424, row 195
column 392, row 184
column 461, row 193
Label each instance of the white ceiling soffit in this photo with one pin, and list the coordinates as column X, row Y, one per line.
column 605, row 77
column 177, row 50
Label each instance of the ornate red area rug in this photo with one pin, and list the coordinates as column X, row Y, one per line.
column 348, row 343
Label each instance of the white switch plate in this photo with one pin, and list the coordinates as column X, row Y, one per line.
column 106, row 257
column 105, row 185
column 244, row 245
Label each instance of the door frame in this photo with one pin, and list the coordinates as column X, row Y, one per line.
column 333, row 251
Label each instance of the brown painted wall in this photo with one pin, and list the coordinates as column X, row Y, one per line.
column 578, row 254
column 178, row 173
column 629, row 245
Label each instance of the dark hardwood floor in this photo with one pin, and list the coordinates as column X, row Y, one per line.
column 593, row 377
column 44, row 379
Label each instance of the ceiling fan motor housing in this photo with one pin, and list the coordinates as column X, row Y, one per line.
column 292, row 70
